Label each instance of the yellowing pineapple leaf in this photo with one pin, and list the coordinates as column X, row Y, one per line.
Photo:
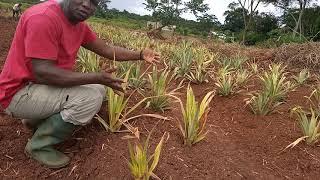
column 296, row 142
column 157, row 154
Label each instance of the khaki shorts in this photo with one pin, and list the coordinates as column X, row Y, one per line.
column 77, row 105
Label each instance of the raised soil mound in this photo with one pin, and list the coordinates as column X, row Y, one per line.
column 300, row 55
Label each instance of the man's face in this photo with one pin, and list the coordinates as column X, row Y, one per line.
column 81, row 10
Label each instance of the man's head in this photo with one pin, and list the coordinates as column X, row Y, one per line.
column 79, row 10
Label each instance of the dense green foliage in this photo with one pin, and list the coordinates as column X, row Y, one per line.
column 310, row 22
column 135, row 21
column 263, row 29
column 122, row 18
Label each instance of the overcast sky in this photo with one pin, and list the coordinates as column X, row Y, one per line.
column 217, row 7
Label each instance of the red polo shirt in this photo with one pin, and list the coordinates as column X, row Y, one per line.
column 43, row 32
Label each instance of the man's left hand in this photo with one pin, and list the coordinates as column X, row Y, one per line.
column 150, row 56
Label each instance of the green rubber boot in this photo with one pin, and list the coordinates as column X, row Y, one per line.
column 32, row 124
column 40, row 147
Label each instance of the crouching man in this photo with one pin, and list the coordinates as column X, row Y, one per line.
column 38, row 83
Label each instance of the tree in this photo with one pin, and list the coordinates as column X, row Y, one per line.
column 265, row 23
column 169, row 11
column 197, row 7
column 311, row 21
column 260, row 24
column 249, row 6
column 103, row 5
column 102, row 8
column 286, row 4
column 151, row 5
column 207, row 22
column 234, row 20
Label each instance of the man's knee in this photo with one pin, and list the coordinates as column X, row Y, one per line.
column 99, row 87
column 102, row 89
column 81, row 109
column 98, row 99
column 94, row 100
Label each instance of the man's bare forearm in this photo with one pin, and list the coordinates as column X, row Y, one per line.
column 122, row 54
column 47, row 73
column 112, row 52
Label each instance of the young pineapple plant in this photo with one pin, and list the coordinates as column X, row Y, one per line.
column 88, row 61
column 225, row 81
column 301, row 78
column 231, row 75
column 182, row 59
column 167, row 53
column 140, row 164
column 118, row 111
column 309, row 124
column 261, row 103
column 123, row 68
column 314, row 99
column 202, row 60
column 254, row 67
column 116, row 106
column 315, row 95
column 194, row 117
column 242, row 75
column 159, row 90
column 275, row 82
column 136, row 77
column 234, row 63
column 275, row 88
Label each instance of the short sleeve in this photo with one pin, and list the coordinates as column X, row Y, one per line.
column 89, row 35
column 41, row 38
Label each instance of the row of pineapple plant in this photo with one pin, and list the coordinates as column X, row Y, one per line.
column 187, row 61
column 192, row 126
column 229, row 77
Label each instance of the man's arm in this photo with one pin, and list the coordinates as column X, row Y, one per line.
column 46, row 72
column 121, row 54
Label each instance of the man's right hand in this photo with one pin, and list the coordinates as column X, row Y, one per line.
column 107, row 79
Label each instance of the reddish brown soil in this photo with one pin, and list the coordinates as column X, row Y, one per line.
column 240, row 145
column 7, row 31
